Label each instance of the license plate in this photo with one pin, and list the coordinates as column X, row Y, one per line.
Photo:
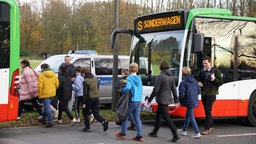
column 148, row 109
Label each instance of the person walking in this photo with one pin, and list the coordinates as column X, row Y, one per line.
column 121, row 85
column 209, row 80
column 133, row 85
column 77, row 87
column 91, row 100
column 28, row 88
column 64, row 93
column 71, row 73
column 47, row 84
column 165, row 92
column 188, row 97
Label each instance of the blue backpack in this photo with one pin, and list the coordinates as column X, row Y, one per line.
column 188, row 92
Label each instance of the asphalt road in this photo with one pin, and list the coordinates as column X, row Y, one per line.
column 227, row 131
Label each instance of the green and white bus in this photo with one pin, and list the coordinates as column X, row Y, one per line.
column 183, row 38
column 9, row 59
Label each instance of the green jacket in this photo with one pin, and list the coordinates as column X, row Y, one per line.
column 90, row 88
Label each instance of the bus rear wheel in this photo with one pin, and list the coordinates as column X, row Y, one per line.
column 252, row 110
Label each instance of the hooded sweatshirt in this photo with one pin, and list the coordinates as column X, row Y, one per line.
column 47, row 84
column 164, row 89
column 134, row 84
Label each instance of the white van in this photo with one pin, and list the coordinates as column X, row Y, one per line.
column 101, row 66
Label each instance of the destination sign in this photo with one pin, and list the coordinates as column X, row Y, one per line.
column 160, row 22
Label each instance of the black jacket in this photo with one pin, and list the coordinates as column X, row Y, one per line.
column 165, row 89
column 64, row 91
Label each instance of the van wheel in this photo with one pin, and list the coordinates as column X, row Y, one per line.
column 252, row 110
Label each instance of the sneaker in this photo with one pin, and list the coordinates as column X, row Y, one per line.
column 121, row 136
column 59, row 121
column 55, row 114
column 105, row 125
column 211, row 130
column 138, row 138
column 174, row 139
column 73, row 121
column 196, row 136
column 91, row 117
column 49, row 125
column 205, row 132
column 86, row 129
column 78, row 120
column 132, row 128
column 184, row 133
column 40, row 117
column 41, row 121
column 152, row 134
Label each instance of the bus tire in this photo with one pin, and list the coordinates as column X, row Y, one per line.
column 252, row 110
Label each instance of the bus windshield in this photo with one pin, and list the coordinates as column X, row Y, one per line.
column 157, row 47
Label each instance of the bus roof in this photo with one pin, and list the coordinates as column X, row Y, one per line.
column 214, row 13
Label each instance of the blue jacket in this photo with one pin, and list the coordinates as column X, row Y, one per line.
column 188, row 92
column 78, row 85
column 134, row 84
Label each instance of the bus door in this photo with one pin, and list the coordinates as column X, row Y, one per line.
column 4, row 59
column 223, row 58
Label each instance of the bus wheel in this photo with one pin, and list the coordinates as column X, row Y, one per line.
column 252, row 110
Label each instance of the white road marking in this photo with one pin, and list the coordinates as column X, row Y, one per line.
column 234, row 135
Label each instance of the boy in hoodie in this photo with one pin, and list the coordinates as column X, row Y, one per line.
column 122, row 83
column 64, row 93
column 91, row 95
column 134, row 85
column 78, row 89
column 47, row 85
column 188, row 95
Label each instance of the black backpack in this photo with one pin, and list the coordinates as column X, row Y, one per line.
column 122, row 106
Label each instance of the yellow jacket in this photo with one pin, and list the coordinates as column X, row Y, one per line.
column 47, row 84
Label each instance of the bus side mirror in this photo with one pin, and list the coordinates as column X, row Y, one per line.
column 198, row 42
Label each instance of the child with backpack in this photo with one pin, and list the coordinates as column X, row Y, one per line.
column 188, row 96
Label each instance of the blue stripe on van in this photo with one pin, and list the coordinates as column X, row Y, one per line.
column 105, row 81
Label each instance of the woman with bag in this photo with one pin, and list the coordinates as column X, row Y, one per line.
column 28, row 87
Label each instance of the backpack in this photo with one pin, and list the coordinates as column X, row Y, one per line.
column 122, row 106
column 189, row 92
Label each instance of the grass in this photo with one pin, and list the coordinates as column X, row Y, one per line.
column 29, row 118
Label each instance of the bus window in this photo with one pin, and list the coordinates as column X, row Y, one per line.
column 4, row 35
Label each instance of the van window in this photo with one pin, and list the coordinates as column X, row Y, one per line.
column 83, row 62
column 104, row 66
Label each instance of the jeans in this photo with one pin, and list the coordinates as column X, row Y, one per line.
column 208, row 101
column 190, row 118
column 93, row 105
column 162, row 112
column 47, row 110
column 134, row 109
